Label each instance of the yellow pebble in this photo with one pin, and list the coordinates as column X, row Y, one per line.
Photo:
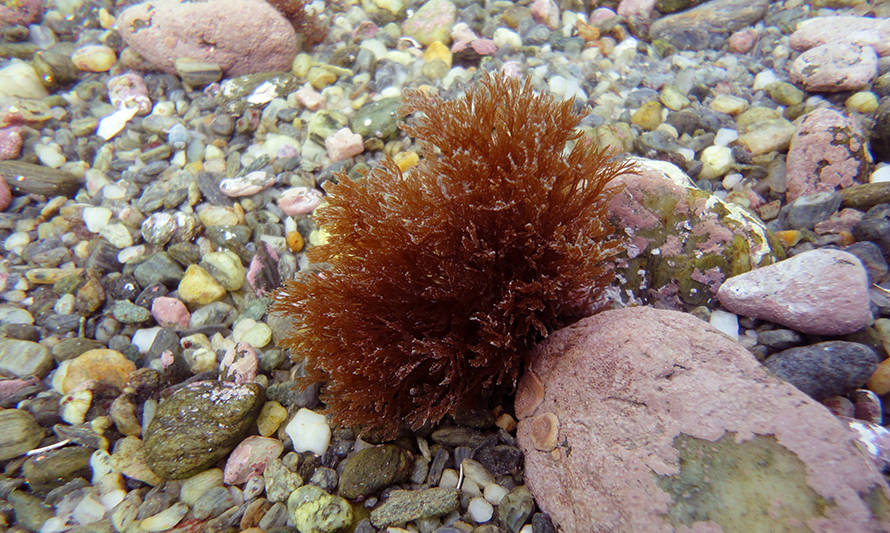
column 879, row 382
column 294, row 241
column 863, row 102
column 406, row 160
column 271, row 416
column 437, row 50
column 788, row 238
column 106, row 19
column 648, row 116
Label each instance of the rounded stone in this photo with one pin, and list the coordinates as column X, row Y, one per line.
column 22, row 358
column 226, row 268
column 312, row 509
column 371, row 469
column 163, row 30
column 19, row 433
column 102, row 365
column 825, row 369
column 54, row 468
column 198, row 425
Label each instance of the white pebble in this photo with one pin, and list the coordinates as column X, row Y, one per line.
column 113, row 191
column 726, row 322
column 505, row 37
column 75, row 406
column 16, row 242
column 19, row 79
column 64, row 305
column 166, row 519
column 725, row 136
column 880, row 174
column 449, row 478
column 309, row 431
column 143, row 338
column 731, row 180
column 89, row 510
column 49, row 154
column 117, row 234
column 494, row 493
column 763, row 79
column 480, row 510
column 95, row 218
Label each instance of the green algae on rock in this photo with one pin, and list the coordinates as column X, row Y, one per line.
column 198, row 425
column 683, row 241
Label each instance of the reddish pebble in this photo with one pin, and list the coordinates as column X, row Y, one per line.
column 310, row 98
column 600, row 14
column 546, row 12
column 170, row 312
column 10, row 142
column 5, row 195
column 741, row 42
column 298, row 201
column 344, row 144
column 249, row 459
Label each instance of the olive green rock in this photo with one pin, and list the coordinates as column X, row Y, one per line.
column 28, row 178
column 864, row 196
column 198, row 425
column 371, row 469
column 29, row 510
column 378, row 119
column 312, row 510
column 19, row 432
column 406, row 505
column 54, row 468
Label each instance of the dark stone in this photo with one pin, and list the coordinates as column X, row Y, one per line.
column 825, row 369
column 872, row 259
column 779, row 339
column 806, row 211
column 198, row 425
column 54, row 468
column 499, row 459
column 371, row 469
column 541, row 523
column 158, row 268
column 875, row 227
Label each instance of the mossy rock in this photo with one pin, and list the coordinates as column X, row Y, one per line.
column 682, row 241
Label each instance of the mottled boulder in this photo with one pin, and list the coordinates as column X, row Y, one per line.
column 682, row 241
column 821, row 291
column 650, row 420
column 827, row 152
column 198, row 425
column 217, row 32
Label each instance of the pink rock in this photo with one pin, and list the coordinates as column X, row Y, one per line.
column 170, row 312
column 310, row 98
column 248, row 184
column 213, row 32
column 343, row 144
column 600, row 14
column 249, row 459
column 864, row 31
column 21, row 12
column 298, row 201
column 240, row 364
column 129, row 90
column 546, row 12
column 462, row 33
column 10, row 142
column 662, row 423
column 641, row 9
column 844, row 220
column 484, row 47
column 742, row 41
column 5, row 194
column 827, row 152
column 835, row 67
column 821, row 291
column 259, row 275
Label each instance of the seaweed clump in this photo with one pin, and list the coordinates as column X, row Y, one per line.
column 440, row 278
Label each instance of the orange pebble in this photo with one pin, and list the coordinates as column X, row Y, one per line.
column 788, row 238
column 847, row 238
column 294, row 241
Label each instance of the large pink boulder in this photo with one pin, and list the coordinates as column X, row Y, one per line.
column 823, row 291
column 241, row 36
column 650, row 420
column 827, row 152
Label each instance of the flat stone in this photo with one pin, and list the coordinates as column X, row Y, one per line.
column 835, row 67
column 407, row 505
column 665, row 424
column 28, row 178
column 198, row 425
column 24, row 358
column 19, row 433
column 822, row 291
column 54, row 468
column 708, row 25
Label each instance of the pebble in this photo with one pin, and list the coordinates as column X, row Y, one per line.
column 250, row 458
column 19, row 433
column 192, row 488
column 404, row 505
column 226, row 268
column 198, row 287
column 298, row 201
column 835, row 67
column 198, row 425
column 480, row 510
column 280, row 482
column 247, row 185
column 343, row 144
column 825, row 369
column 252, row 332
column 716, row 162
column 309, row 431
column 94, row 58
column 373, row 468
column 165, row 519
column 22, row 358
column 431, row 22
column 170, row 312
column 102, row 365
column 312, row 509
